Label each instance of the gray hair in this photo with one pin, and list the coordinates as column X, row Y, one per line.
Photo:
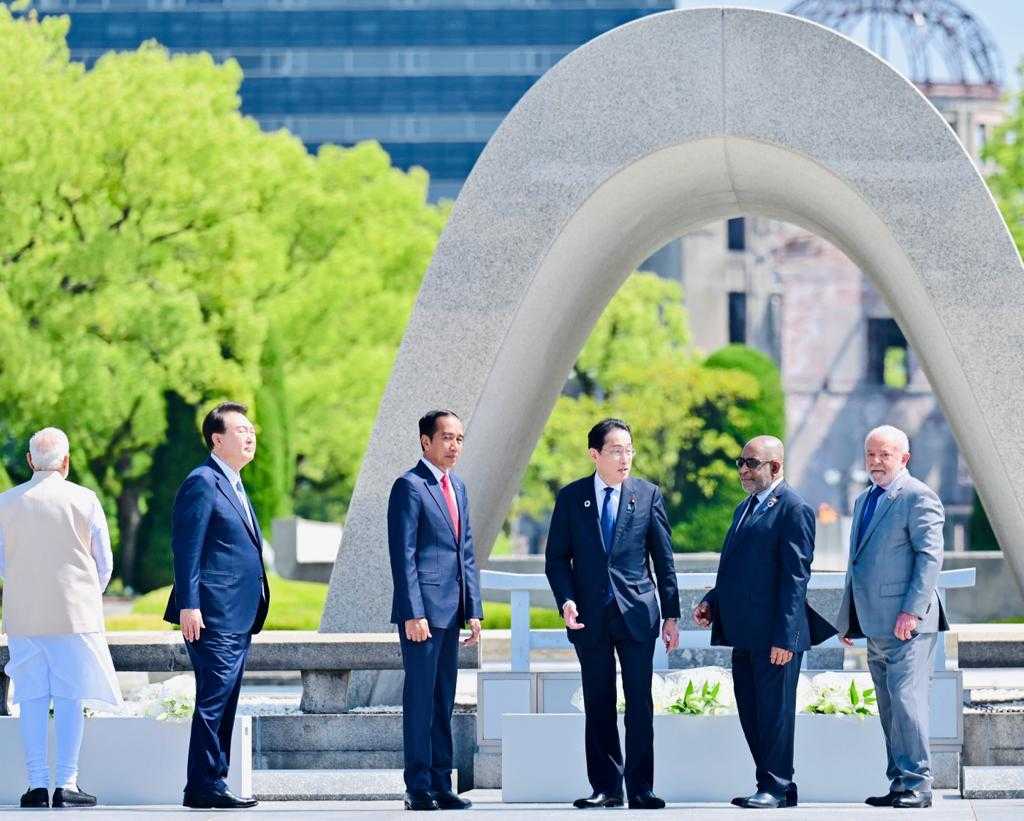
column 890, row 434
column 48, row 447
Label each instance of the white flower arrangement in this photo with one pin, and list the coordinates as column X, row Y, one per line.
column 171, row 700
column 709, row 691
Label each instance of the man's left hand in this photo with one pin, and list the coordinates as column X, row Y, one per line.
column 906, row 624
column 670, row 635
column 474, row 633
column 780, row 656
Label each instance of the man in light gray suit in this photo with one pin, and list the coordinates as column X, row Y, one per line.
column 895, row 558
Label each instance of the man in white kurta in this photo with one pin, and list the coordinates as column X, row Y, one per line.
column 55, row 560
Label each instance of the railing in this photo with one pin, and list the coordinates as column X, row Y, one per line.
column 519, row 585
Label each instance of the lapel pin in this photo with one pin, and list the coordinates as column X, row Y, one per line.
column 771, row 502
column 632, row 504
column 586, row 503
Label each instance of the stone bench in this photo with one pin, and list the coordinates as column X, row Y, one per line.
column 326, row 660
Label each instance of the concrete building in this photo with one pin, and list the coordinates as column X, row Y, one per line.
column 845, row 363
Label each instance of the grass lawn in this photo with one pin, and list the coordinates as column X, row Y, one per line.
column 298, row 605
column 293, row 606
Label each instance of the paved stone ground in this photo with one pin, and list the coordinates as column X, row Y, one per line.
column 948, row 807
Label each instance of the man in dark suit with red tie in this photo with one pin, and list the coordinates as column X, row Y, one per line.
column 606, row 531
column 436, row 592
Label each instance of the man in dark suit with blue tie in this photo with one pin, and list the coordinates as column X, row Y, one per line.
column 436, row 591
column 758, row 607
column 220, row 596
column 606, row 530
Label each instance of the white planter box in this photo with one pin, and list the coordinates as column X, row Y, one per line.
column 696, row 758
column 128, row 760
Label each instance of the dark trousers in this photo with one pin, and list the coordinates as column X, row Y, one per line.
column 218, row 660
column 766, row 701
column 428, row 698
column 605, row 768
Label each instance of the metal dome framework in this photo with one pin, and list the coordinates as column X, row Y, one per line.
column 932, row 33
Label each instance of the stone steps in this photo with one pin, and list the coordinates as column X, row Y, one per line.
column 993, row 782
column 328, row 760
column 303, row 748
column 328, row 785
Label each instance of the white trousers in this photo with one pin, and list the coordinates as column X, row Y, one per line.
column 34, row 723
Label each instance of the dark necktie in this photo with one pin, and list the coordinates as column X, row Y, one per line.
column 607, row 520
column 869, row 510
column 751, row 505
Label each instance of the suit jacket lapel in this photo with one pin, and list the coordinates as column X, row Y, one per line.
column 591, row 512
column 225, row 487
column 434, row 489
column 732, row 528
column 627, row 504
column 858, row 507
column 884, row 506
column 768, row 503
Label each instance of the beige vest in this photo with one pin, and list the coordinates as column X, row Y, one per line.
column 51, row 585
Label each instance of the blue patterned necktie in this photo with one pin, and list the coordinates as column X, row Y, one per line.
column 869, row 510
column 607, row 520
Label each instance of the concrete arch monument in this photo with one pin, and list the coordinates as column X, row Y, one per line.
column 644, row 133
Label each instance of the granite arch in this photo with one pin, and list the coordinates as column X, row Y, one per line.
column 648, row 131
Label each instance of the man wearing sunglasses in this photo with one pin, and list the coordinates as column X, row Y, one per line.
column 758, row 607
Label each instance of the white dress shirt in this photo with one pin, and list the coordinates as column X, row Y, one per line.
column 599, row 486
column 438, row 473
column 235, row 479
column 764, row 494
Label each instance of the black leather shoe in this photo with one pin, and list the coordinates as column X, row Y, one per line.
column 210, row 800
column 447, row 800
column 913, row 799
column 791, row 796
column 762, row 801
column 64, row 797
column 646, row 801
column 883, row 800
column 420, row 801
column 598, row 799
column 39, row 797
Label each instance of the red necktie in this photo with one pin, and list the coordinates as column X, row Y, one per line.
column 449, row 497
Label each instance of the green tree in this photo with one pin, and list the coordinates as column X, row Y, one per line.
column 149, row 234
column 639, row 364
column 270, row 478
column 701, row 526
column 182, row 450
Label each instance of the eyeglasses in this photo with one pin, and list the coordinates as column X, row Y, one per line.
column 618, row 453
column 752, row 464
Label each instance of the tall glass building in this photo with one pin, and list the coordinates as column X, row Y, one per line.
column 430, row 79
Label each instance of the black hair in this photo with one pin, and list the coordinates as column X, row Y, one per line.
column 428, row 422
column 596, row 437
column 214, row 421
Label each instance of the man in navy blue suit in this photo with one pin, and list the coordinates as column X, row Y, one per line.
column 436, row 591
column 758, row 607
column 606, row 530
column 220, row 596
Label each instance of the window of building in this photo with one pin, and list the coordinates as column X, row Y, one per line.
column 888, row 363
column 737, row 234
column 737, row 317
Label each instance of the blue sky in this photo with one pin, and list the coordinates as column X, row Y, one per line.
column 1003, row 19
